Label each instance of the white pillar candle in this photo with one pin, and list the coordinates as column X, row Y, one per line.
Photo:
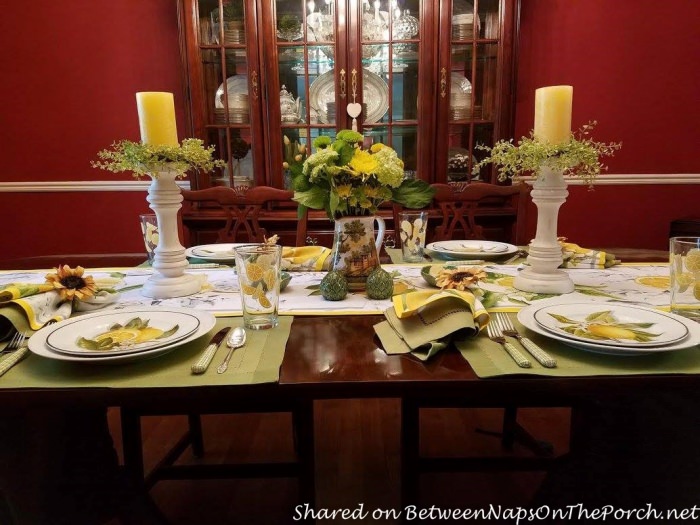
column 553, row 113
column 157, row 118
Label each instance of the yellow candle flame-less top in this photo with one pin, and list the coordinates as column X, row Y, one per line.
column 157, row 118
column 553, row 113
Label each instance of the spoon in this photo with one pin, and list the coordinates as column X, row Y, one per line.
column 235, row 340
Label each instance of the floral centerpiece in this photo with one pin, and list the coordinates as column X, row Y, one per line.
column 350, row 183
column 579, row 156
column 344, row 179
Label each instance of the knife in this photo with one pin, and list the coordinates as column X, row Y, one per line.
column 203, row 362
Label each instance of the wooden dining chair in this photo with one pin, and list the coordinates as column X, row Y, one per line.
column 483, row 211
column 243, row 209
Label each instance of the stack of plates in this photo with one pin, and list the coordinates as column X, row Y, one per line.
column 465, row 250
column 234, row 36
column 611, row 329
column 235, row 116
column 236, row 93
column 460, row 97
column 463, row 26
column 126, row 335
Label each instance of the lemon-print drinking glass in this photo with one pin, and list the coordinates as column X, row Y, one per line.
column 149, row 228
column 685, row 276
column 258, row 269
column 412, row 228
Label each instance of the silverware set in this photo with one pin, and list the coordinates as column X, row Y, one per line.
column 500, row 327
column 236, row 340
column 16, row 350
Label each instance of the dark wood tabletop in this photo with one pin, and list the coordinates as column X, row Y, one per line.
column 340, row 357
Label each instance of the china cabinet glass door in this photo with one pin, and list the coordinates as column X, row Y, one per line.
column 330, row 76
column 475, row 100
column 430, row 78
column 224, row 87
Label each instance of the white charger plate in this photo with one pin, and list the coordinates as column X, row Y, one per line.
column 375, row 93
column 526, row 316
column 669, row 330
column 37, row 343
column 63, row 337
column 470, row 249
column 215, row 252
column 235, row 85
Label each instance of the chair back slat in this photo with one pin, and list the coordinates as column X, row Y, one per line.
column 243, row 208
column 461, row 204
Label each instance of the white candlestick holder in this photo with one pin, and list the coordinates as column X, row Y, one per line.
column 169, row 263
column 542, row 275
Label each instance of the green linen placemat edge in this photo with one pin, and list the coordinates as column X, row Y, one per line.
column 489, row 359
column 257, row 362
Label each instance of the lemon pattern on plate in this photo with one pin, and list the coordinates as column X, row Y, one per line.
column 603, row 326
column 133, row 332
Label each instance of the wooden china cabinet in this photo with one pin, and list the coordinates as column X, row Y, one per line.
column 430, row 78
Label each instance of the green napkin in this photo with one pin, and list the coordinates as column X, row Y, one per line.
column 430, row 330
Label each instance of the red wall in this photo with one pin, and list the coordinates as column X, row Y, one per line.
column 71, row 70
column 70, row 74
column 633, row 65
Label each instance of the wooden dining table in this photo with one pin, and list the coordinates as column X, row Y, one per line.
column 340, row 357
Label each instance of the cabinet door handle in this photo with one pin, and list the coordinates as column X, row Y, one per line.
column 443, row 82
column 343, row 88
column 254, row 80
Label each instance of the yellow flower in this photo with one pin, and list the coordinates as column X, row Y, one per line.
column 71, row 283
column 374, row 148
column 459, row 278
column 370, row 192
column 363, row 162
column 344, row 191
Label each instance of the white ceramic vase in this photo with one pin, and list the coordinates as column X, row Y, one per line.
column 169, row 263
column 542, row 275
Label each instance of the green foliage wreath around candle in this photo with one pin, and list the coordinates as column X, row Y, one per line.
column 149, row 159
column 579, row 156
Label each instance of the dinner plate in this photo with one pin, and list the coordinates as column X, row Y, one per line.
column 469, row 249
column 459, row 84
column 526, row 316
column 173, row 326
column 235, row 85
column 214, row 252
column 605, row 323
column 37, row 343
column 375, row 94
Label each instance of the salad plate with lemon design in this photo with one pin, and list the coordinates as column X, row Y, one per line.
column 611, row 329
column 121, row 334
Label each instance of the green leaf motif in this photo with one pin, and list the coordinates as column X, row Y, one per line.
column 314, row 198
column 413, row 194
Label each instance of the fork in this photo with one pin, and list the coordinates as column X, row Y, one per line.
column 13, row 344
column 20, row 345
column 508, row 329
column 495, row 334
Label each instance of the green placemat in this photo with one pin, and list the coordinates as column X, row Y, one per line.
column 258, row 361
column 489, row 359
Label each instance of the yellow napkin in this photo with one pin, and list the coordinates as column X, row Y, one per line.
column 424, row 322
column 577, row 257
column 305, row 258
column 29, row 306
